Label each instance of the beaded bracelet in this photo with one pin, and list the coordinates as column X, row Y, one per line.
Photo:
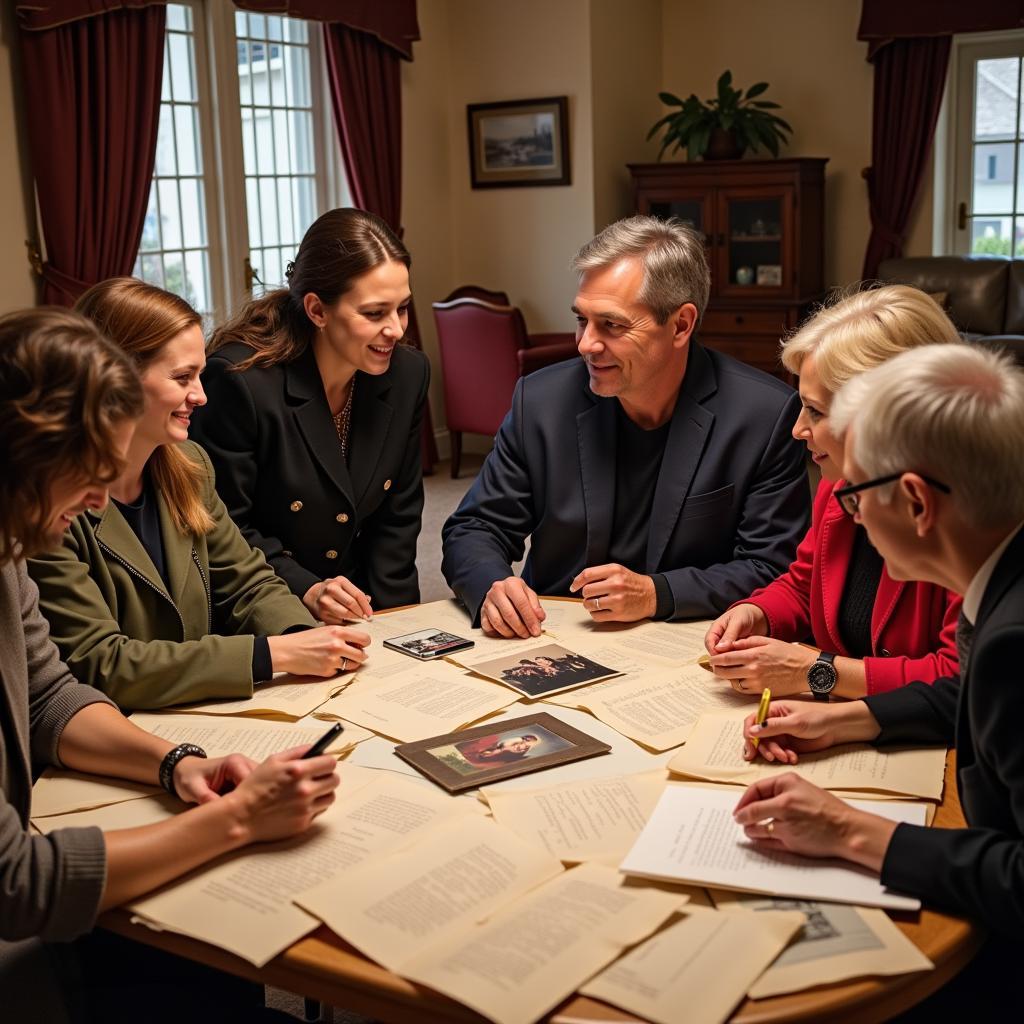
column 170, row 762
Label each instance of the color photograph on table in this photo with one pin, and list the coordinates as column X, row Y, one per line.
column 542, row 671
column 472, row 757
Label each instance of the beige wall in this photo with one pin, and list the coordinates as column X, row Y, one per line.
column 808, row 51
column 17, row 284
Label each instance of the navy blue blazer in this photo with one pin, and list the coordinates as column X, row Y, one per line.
column 976, row 871
column 730, row 506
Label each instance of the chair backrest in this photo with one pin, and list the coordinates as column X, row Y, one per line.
column 480, row 345
column 474, row 291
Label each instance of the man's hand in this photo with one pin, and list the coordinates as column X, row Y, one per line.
column 751, row 664
column 786, row 812
column 511, row 609
column 612, row 593
column 795, row 727
column 198, row 780
column 738, row 622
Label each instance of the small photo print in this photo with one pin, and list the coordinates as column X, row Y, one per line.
column 500, row 748
column 427, row 643
column 541, row 671
column 470, row 758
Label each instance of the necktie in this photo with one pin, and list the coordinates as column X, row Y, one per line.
column 964, row 639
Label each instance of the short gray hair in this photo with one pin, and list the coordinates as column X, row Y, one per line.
column 674, row 260
column 955, row 412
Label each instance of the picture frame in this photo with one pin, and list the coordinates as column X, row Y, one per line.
column 470, row 758
column 541, row 670
column 519, row 143
column 769, row 275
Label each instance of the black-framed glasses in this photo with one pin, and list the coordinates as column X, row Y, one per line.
column 849, row 496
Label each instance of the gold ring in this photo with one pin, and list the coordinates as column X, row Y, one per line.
column 597, row 604
column 770, row 827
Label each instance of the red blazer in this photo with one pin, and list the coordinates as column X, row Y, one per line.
column 913, row 625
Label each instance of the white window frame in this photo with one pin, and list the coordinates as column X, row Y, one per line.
column 953, row 178
column 220, row 131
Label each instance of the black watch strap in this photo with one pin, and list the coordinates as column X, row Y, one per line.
column 170, row 762
column 825, row 658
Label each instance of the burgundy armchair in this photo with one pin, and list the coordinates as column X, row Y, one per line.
column 485, row 349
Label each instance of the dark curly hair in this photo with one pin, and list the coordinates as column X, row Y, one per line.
column 64, row 390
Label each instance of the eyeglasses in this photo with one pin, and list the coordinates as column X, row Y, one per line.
column 849, row 497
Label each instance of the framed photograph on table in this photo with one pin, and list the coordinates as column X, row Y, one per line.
column 518, row 143
column 470, row 758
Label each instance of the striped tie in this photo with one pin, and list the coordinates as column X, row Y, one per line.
column 964, row 639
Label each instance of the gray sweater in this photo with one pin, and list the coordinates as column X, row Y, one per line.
column 50, row 886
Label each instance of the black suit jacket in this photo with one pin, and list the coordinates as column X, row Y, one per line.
column 976, row 871
column 729, row 508
column 281, row 474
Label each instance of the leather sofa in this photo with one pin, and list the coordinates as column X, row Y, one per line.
column 984, row 295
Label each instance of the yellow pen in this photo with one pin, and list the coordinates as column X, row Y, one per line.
column 762, row 712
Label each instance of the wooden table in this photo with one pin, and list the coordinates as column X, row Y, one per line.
column 321, row 966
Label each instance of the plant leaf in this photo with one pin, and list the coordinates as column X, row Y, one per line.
column 766, row 105
column 756, row 89
column 657, row 124
column 724, row 81
column 670, row 99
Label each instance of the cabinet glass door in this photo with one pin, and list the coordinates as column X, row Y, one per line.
column 755, row 250
column 690, row 209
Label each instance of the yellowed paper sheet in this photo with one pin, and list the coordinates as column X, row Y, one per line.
column 593, row 820
column 425, row 700
column 528, row 957
column 110, row 818
column 705, row 963
column 692, row 837
column 714, row 752
column 658, row 708
column 244, row 903
column 430, row 893
column 63, row 792
column 285, row 696
column 837, row 943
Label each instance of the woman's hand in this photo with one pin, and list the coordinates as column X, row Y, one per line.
column 282, row 796
column 337, row 600
column 742, row 621
column 789, row 813
column 753, row 663
column 198, row 780
column 324, row 651
column 793, row 728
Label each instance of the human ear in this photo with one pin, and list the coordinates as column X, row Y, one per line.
column 921, row 504
column 314, row 308
column 685, row 321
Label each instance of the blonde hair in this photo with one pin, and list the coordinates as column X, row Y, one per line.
column 142, row 319
column 673, row 256
column 955, row 412
column 64, row 391
column 860, row 331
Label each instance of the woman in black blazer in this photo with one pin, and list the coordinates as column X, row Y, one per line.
column 314, row 420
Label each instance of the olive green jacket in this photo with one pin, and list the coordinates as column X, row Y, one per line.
column 119, row 629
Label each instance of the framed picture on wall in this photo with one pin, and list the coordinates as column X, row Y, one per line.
column 520, row 142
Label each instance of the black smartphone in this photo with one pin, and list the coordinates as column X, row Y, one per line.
column 429, row 643
column 324, row 742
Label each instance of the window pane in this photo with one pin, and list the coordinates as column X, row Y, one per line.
column 268, row 211
column 285, row 160
column 241, row 23
column 165, row 161
column 152, row 269
column 179, row 17
column 991, row 235
column 170, row 218
column 181, row 67
column 165, row 80
column 284, row 210
column 252, row 205
column 196, row 275
column 295, row 30
column 993, row 178
column 995, row 97
column 151, row 225
column 296, row 76
column 187, row 133
column 257, row 26
column 264, row 141
column 302, row 142
column 274, row 29
column 193, row 216
column 304, row 197
column 273, row 271
column 244, row 74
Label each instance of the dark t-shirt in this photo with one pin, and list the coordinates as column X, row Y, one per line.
column 638, row 455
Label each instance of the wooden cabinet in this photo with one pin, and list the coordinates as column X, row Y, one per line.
column 763, row 222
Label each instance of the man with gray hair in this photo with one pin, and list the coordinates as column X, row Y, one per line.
column 933, row 459
column 654, row 477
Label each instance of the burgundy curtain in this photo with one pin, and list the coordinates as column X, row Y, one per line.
column 367, row 101
column 909, row 78
column 92, row 92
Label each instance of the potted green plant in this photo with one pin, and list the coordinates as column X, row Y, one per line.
column 724, row 127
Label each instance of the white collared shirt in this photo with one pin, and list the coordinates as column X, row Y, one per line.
column 979, row 584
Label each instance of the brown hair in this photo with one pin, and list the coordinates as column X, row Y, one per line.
column 339, row 246
column 64, row 389
column 142, row 318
